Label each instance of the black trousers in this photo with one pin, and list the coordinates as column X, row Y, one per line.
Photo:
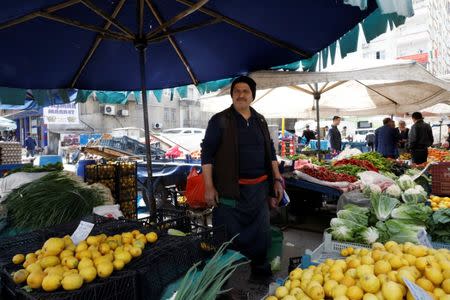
column 251, row 220
column 419, row 156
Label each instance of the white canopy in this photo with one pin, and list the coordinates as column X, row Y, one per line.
column 381, row 88
column 7, row 125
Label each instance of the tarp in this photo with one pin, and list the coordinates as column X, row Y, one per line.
column 384, row 88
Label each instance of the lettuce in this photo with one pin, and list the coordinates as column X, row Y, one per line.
column 357, row 218
column 342, row 233
column 394, row 191
column 383, row 205
column 368, row 235
column 415, row 213
column 405, row 182
column 413, row 196
column 403, row 231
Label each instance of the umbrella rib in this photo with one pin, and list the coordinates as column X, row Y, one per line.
column 333, row 86
column 172, row 42
column 107, row 17
column 96, row 43
column 193, row 8
column 375, row 91
column 301, row 89
column 67, row 21
column 168, row 33
column 249, row 29
column 35, row 14
column 323, row 87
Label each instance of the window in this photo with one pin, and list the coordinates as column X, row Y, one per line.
column 198, row 131
column 187, row 132
column 380, row 54
column 166, row 114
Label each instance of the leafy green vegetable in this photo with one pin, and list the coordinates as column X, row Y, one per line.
column 355, row 217
column 368, row 235
column 394, row 191
column 357, row 209
column 381, row 163
column 342, row 233
column 347, row 169
column 439, row 226
column 383, row 205
column 414, row 196
column 415, row 213
column 402, row 231
column 405, row 182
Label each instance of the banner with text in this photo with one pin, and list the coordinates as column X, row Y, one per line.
column 61, row 114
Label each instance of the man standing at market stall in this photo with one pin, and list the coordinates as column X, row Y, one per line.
column 334, row 136
column 308, row 134
column 241, row 174
column 403, row 132
column 420, row 138
column 386, row 139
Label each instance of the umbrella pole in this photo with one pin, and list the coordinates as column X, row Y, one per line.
column 317, row 98
column 148, row 195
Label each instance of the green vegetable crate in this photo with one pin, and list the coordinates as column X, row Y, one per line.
column 332, row 249
column 121, row 179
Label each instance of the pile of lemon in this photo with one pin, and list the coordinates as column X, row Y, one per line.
column 372, row 274
column 61, row 263
column 439, row 202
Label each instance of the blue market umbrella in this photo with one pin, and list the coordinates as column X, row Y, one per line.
column 155, row 44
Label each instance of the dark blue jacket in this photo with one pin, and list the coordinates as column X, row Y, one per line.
column 334, row 136
column 30, row 143
column 386, row 141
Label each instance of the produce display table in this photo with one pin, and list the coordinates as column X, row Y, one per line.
column 6, row 168
column 322, row 189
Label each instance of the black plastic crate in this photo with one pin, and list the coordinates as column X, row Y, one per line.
column 120, row 285
column 23, row 243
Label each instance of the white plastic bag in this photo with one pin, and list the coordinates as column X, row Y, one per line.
column 108, row 211
column 371, row 177
column 347, row 153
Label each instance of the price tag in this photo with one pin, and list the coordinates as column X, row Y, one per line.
column 82, row 232
column 417, row 292
column 422, row 236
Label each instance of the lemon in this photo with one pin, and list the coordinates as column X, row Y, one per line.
column 382, row 267
column 354, row 293
column 88, row 274
column 370, row 283
column 316, row 292
column 51, row 282
column 297, row 292
column 20, row 276
column 104, row 248
column 341, row 298
column 295, row 274
column 348, row 281
column 92, row 240
column 329, row 286
column 280, row 292
column 18, row 259
column 392, row 291
column 339, row 290
column 85, row 262
column 53, row 246
column 118, row 264
column 72, row 282
column 81, row 246
column 73, row 271
column 35, row 267
column 370, row 296
column 425, row 284
column 49, row 261
column 125, row 256
column 135, row 251
column 271, row 298
column 151, row 237
column 446, row 285
column 65, row 253
column 434, row 275
column 105, row 269
column 34, row 280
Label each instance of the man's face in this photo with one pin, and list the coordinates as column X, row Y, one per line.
column 337, row 121
column 242, row 96
column 402, row 125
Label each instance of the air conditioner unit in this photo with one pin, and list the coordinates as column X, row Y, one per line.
column 109, row 110
column 157, row 125
column 124, row 112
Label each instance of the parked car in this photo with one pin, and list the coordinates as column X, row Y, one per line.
column 189, row 138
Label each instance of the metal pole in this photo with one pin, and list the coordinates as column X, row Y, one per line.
column 150, row 201
column 317, row 98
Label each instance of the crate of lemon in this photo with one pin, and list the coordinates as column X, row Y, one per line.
column 62, row 265
column 437, row 202
column 372, row 274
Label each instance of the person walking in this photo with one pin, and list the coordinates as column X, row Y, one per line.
column 308, row 134
column 334, row 136
column 241, row 173
column 386, row 139
column 420, row 138
column 403, row 135
column 30, row 145
column 370, row 140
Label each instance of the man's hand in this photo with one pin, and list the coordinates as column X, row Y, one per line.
column 211, row 195
column 278, row 188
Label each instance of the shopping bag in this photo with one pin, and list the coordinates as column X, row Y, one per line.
column 195, row 190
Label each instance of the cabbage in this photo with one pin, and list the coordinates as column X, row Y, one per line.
column 371, row 189
column 383, row 205
column 357, row 218
column 352, row 226
column 368, row 236
column 394, row 191
column 413, row 196
column 414, row 213
column 405, row 182
column 356, row 208
column 342, row 233
column 402, row 231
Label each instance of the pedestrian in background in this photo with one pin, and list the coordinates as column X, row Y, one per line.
column 403, row 135
column 386, row 139
column 370, row 140
column 420, row 138
column 308, row 134
column 334, row 136
column 30, row 145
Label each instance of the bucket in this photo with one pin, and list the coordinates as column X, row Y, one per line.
column 81, row 166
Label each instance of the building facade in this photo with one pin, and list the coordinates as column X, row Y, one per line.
column 439, row 31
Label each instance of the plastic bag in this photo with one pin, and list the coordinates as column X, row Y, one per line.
column 108, row 211
column 195, row 190
column 371, row 177
column 347, row 153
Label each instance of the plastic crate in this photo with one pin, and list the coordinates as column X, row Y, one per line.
column 23, row 243
column 331, row 249
column 440, row 180
column 120, row 285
